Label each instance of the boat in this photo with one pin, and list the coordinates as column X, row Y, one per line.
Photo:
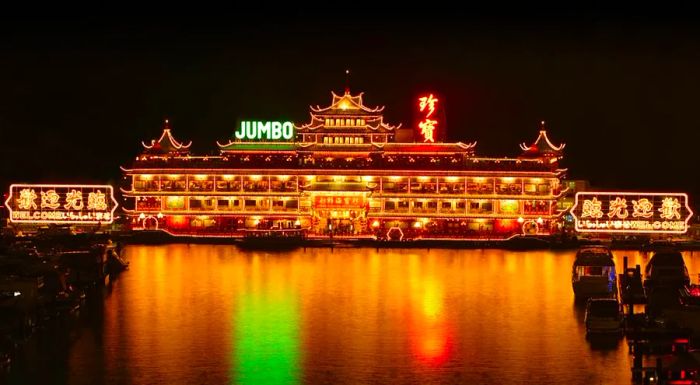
column 603, row 315
column 687, row 311
column 593, row 273
column 666, row 269
column 273, row 239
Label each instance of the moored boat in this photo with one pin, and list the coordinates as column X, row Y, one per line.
column 593, row 273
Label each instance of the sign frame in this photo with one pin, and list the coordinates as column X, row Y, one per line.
column 108, row 191
column 582, row 229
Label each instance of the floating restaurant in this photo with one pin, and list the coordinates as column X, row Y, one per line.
column 346, row 172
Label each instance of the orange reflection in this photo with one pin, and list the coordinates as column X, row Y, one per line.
column 428, row 327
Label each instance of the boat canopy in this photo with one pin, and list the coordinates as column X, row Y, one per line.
column 597, row 256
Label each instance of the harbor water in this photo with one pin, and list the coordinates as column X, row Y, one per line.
column 213, row 314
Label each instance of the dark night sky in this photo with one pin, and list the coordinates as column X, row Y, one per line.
column 77, row 97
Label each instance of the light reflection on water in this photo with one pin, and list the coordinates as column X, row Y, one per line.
column 212, row 314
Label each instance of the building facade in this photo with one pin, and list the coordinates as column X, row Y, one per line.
column 347, row 173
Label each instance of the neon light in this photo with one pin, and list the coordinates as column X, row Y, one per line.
column 49, row 199
column 392, row 229
column 26, row 199
column 644, row 219
column 642, row 208
column 74, row 200
column 618, row 208
column 23, row 208
column 428, row 101
column 669, row 208
column 592, row 209
column 97, row 201
column 254, row 130
column 427, row 129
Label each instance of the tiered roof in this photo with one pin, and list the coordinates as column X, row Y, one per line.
column 348, row 106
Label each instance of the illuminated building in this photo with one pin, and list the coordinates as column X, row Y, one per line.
column 345, row 172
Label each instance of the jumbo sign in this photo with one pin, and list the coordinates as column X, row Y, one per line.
column 254, row 130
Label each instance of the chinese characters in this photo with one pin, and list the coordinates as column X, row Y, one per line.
column 427, row 105
column 61, row 203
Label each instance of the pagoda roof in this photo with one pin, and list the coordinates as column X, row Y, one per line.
column 347, row 105
column 542, row 146
column 166, row 143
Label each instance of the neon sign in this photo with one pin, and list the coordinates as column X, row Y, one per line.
column 254, row 130
column 427, row 126
column 337, row 201
column 622, row 212
column 42, row 203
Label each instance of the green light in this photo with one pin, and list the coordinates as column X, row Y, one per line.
column 266, row 349
column 251, row 130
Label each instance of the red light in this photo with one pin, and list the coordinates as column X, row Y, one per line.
column 695, row 291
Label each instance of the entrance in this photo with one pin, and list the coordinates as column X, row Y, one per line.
column 339, row 215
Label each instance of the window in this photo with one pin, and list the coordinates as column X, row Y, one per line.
column 446, row 205
column 389, row 205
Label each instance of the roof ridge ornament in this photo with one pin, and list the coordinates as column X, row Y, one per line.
column 173, row 144
column 542, row 144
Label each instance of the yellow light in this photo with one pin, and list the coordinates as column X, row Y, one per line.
column 423, row 179
column 200, row 177
column 508, row 180
column 375, row 224
column 255, row 177
column 479, row 180
column 283, row 178
column 228, row 177
column 146, row 177
column 452, row 179
column 417, row 225
column 367, row 178
column 536, row 180
column 174, row 176
column 343, row 105
column 540, row 221
column 309, row 177
column 297, row 223
column 394, row 178
column 521, row 220
column 142, row 216
column 160, row 215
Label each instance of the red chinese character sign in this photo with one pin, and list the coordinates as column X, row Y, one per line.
column 619, row 212
column 41, row 203
column 430, row 118
column 339, row 201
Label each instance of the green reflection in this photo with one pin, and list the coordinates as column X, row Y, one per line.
column 266, row 349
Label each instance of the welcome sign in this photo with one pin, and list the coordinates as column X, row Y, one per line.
column 627, row 212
